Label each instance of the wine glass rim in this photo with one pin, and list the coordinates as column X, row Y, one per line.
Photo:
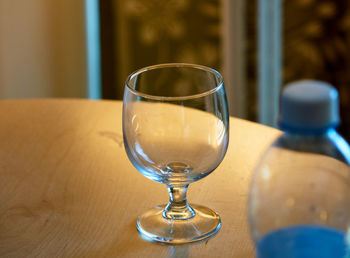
column 186, row 97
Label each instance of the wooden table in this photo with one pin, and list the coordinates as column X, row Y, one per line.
column 67, row 188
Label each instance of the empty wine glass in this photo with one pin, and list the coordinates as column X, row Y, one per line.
column 176, row 131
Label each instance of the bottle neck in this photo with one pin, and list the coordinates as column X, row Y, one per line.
column 329, row 132
column 328, row 142
column 306, row 130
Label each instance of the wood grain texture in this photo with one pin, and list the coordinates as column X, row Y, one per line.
column 67, row 188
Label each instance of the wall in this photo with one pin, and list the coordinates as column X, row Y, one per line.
column 42, row 49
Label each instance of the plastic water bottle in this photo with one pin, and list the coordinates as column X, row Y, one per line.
column 299, row 202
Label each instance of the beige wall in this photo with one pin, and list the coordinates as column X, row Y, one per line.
column 42, row 48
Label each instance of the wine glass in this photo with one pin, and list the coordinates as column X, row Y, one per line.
column 176, row 131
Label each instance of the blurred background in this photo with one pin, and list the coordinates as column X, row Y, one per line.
column 86, row 48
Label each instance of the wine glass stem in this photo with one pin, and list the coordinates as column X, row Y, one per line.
column 178, row 207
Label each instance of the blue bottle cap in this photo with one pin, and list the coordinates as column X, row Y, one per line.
column 309, row 106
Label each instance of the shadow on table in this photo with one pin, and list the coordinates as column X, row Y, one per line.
column 178, row 251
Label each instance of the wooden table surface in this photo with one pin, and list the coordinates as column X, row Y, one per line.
column 67, row 188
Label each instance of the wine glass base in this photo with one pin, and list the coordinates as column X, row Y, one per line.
column 154, row 227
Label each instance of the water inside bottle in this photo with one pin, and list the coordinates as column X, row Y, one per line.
column 304, row 241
